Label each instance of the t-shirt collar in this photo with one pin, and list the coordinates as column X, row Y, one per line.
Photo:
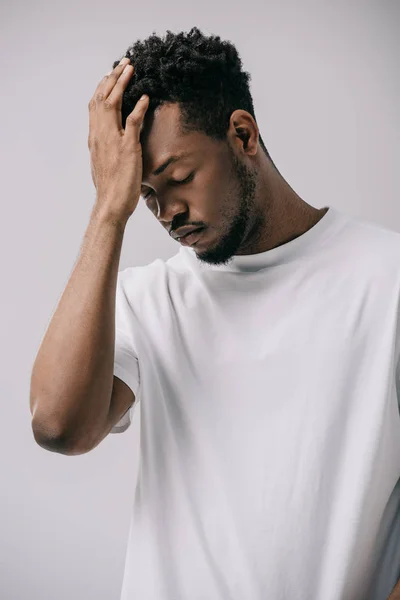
column 291, row 250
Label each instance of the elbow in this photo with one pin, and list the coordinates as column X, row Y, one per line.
column 50, row 438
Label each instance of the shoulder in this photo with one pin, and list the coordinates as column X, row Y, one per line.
column 155, row 279
column 373, row 244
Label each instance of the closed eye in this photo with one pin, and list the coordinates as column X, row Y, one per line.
column 173, row 182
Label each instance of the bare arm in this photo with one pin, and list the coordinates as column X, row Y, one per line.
column 74, row 397
column 72, row 377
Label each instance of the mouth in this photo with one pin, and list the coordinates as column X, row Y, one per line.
column 191, row 238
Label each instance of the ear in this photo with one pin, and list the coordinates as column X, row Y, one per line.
column 243, row 126
column 244, row 135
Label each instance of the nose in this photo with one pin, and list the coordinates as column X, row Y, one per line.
column 171, row 211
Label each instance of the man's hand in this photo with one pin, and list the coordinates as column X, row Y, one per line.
column 116, row 153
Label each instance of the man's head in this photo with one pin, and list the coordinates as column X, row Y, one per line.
column 200, row 104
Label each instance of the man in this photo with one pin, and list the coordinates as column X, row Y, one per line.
column 264, row 354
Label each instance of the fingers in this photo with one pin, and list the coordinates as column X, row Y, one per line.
column 135, row 120
column 107, row 83
column 105, row 105
column 108, row 95
column 115, row 85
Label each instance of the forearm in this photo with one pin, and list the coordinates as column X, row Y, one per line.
column 72, row 376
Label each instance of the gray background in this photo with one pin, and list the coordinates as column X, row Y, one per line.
column 326, row 89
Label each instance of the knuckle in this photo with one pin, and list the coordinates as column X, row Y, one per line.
column 133, row 120
column 99, row 96
column 92, row 104
column 108, row 105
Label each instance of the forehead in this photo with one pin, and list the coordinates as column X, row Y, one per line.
column 162, row 137
column 163, row 125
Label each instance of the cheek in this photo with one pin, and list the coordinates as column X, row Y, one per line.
column 214, row 191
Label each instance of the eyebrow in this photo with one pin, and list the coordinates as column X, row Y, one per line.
column 170, row 159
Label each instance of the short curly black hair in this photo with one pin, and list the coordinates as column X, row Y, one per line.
column 203, row 74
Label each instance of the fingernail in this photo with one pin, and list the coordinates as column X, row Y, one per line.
column 124, row 61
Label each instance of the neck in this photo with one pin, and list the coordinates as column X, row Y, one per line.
column 283, row 215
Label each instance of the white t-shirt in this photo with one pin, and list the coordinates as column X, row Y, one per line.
column 269, row 419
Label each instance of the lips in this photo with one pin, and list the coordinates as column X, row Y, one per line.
column 182, row 231
column 192, row 237
column 193, row 231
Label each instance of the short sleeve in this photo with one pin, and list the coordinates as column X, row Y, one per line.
column 126, row 363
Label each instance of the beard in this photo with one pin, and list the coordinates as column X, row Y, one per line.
column 238, row 215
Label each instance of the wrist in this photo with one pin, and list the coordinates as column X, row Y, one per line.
column 107, row 216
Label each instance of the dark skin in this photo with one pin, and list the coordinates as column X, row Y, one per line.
column 236, row 193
